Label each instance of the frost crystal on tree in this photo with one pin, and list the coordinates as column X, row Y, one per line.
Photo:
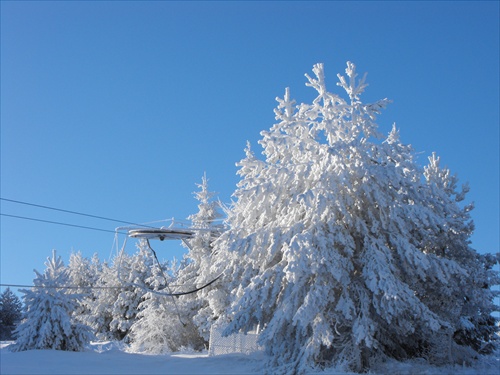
column 344, row 250
column 48, row 321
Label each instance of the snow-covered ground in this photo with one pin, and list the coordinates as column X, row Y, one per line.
column 109, row 358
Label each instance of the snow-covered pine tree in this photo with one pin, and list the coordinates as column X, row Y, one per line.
column 162, row 325
column 105, row 293
column 469, row 303
column 165, row 325
column 119, row 291
column 197, row 262
column 343, row 249
column 132, row 273
column 48, row 320
column 83, row 272
column 83, row 275
column 132, row 270
column 208, row 225
column 10, row 313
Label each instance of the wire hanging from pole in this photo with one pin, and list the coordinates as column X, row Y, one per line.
column 160, row 293
column 166, row 284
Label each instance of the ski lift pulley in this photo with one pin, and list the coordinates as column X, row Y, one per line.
column 161, row 233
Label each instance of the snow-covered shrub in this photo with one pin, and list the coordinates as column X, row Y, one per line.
column 344, row 249
column 48, row 320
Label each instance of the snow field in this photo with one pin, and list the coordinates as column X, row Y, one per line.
column 111, row 358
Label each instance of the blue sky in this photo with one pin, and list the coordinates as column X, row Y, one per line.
column 116, row 109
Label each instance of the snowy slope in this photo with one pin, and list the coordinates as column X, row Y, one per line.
column 108, row 358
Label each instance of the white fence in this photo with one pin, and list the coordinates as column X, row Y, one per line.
column 235, row 343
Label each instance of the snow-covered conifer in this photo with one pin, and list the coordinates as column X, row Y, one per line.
column 119, row 290
column 133, row 272
column 129, row 275
column 48, row 321
column 83, row 276
column 207, row 223
column 100, row 307
column 344, row 249
column 10, row 313
column 180, row 321
column 83, row 272
column 195, row 270
column 162, row 323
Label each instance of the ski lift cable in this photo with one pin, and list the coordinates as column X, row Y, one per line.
column 80, row 287
column 60, row 223
column 73, row 212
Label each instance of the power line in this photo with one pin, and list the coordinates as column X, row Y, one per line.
column 73, row 212
column 80, row 287
column 60, row 287
column 59, row 223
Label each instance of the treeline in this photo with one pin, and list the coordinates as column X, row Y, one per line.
column 339, row 245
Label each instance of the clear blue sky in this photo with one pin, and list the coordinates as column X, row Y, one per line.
column 117, row 109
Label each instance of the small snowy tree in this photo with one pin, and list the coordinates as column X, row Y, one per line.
column 197, row 262
column 162, row 325
column 120, row 289
column 83, row 276
column 10, row 313
column 344, row 250
column 207, row 223
column 83, row 272
column 48, row 321
column 133, row 272
column 167, row 323
column 99, row 315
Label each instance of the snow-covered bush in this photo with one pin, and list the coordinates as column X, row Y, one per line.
column 48, row 320
column 344, row 249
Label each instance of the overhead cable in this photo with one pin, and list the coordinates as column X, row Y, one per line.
column 74, row 212
column 59, row 223
column 60, row 287
column 82, row 287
